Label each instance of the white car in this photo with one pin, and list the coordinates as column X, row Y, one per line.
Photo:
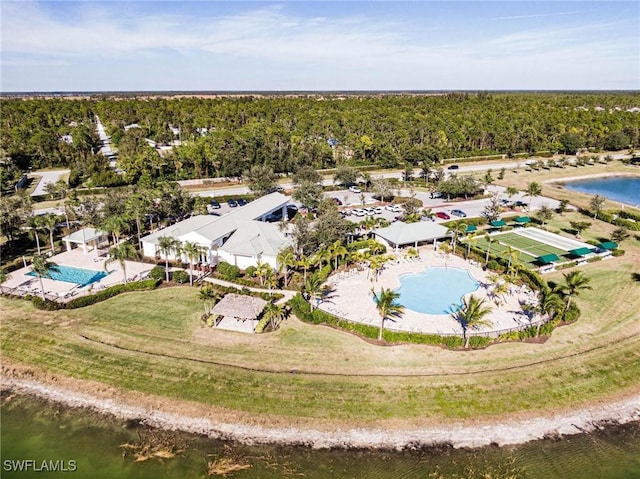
column 355, row 189
column 377, row 210
column 359, row 212
column 397, row 209
column 389, row 207
column 370, row 211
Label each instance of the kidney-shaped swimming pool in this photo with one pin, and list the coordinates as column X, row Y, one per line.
column 435, row 290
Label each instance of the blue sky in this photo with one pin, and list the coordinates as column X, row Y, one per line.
column 331, row 45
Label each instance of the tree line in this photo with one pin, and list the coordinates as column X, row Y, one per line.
column 226, row 136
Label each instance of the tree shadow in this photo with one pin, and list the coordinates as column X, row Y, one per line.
column 635, row 277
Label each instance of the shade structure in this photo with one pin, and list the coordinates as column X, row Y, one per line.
column 471, row 228
column 240, row 307
column 547, row 258
column 610, row 245
column 523, row 219
column 498, row 223
column 579, row 252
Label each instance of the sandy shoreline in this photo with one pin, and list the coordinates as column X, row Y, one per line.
column 456, row 434
column 588, row 177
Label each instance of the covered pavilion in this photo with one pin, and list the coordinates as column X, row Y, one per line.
column 88, row 239
column 238, row 312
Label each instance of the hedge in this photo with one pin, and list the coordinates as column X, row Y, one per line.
column 228, row 271
column 180, row 276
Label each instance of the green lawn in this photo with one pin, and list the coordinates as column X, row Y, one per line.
column 155, row 343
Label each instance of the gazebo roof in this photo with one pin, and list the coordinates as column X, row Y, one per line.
column 498, row 223
column 471, row 228
column 84, row 235
column 579, row 252
column 547, row 258
column 239, row 306
column 523, row 219
column 610, row 245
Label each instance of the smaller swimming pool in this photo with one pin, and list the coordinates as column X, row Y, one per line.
column 79, row 276
column 435, row 290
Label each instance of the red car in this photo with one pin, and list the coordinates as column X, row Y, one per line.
column 443, row 216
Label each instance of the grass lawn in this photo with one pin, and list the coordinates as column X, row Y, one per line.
column 154, row 342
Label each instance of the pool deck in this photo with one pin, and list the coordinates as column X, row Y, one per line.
column 22, row 284
column 351, row 298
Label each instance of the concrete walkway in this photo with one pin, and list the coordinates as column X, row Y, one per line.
column 46, row 177
column 351, row 298
column 287, row 294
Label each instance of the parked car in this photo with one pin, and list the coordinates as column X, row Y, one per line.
column 370, row 211
column 377, row 210
column 397, row 209
column 215, row 204
column 355, row 189
column 389, row 207
column 232, row 203
column 359, row 212
column 337, row 201
column 442, row 215
column 435, row 194
column 453, row 167
column 241, row 202
column 459, row 213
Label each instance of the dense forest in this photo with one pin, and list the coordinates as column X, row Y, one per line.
column 226, row 136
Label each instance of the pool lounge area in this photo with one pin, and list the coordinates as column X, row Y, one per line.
column 82, row 273
column 351, row 298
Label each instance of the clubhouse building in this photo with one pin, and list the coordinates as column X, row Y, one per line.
column 241, row 237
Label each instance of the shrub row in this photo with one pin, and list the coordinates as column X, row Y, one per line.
column 228, row 271
column 247, row 292
column 98, row 297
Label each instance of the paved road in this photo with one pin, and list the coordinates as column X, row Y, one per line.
column 47, row 177
column 105, row 149
column 495, row 167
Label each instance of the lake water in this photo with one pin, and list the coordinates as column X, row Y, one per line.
column 618, row 188
column 34, row 429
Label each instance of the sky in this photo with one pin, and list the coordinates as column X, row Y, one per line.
column 328, row 45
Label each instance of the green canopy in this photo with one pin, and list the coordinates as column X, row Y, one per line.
column 547, row 258
column 471, row 228
column 610, row 245
column 579, row 251
column 498, row 223
column 523, row 219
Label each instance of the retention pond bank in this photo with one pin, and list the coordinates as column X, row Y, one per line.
column 455, row 434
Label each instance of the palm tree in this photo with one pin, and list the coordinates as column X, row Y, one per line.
column 388, row 308
column 488, row 239
column 472, row 238
column 511, row 254
column 48, row 222
column 166, row 245
column 511, row 191
column 42, row 268
column 34, row 223
column 337, row 251
column 271, row 278
column 115, row 225
column 275, row 314
column 312, row 288
column 549, row 303
column 305, row 262
column 575, row 282
column 193, row 252
column 121, row 254
column 209, row 297
column 286, row 258
column 456, row 230
column 533, row 189
column 262, row 270
column 471, row 315
column 375, row 264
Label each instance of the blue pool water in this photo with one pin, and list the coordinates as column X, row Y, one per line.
column 435, row 290
column 617, row 188
column 79, row 276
